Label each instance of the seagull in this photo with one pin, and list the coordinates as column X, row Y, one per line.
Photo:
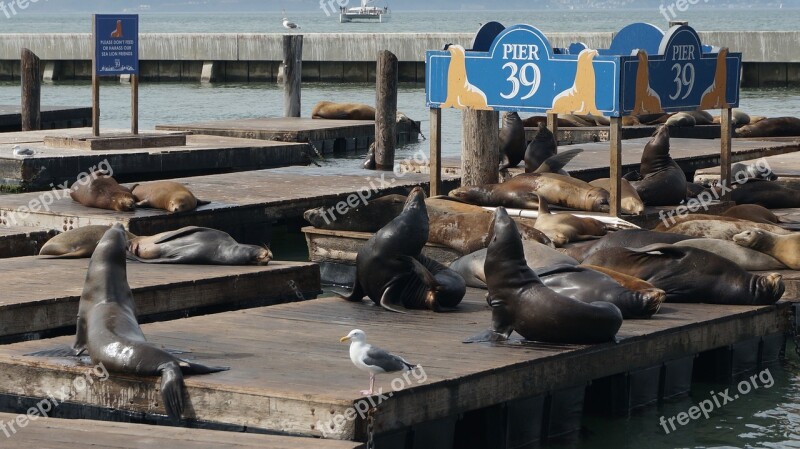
column 372, row 359
column 289, row 25
column 22, row 151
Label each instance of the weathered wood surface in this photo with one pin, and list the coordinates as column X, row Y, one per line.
column 385, row 110
column 22, row 241
column 52, row 117
column 289, row 373
column 201, row 155
column 41, row 294
column 31, row 103
column 480, row 147
column 117, row 142
column 292, row 71
column 80, row 434
column 238, row 200
column 690, row 154
column 786, row 166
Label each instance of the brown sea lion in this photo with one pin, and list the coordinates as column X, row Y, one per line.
column 627, row 281
column 663, row 182
column 166, row 195
column 768, row 194
column 103, row 192
column 76, row 243
column 196, row 246
column 521, row 302
column 626, row 238
column 673, row 220
column 631, row 203
column 342, row 111
column 771, row 127
column 681, row 120
column 368, row 217
column 724, row 228
column 542, row 147
column 785, row 248
column 535, row 120
column 748, row 259
column 564, row 227
column 692, row 275
column 512, row 141
column 752, row 212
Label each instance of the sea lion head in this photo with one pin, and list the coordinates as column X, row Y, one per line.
column 181, row 202
column 750, row 239
column 597, row 200
column 660, row 137
column 511, row 118
column 768, row 289
column 415, row 200
column 471, row 194
column 261, row 255
column 112, row 246
column 123, row 202
column 633, row 206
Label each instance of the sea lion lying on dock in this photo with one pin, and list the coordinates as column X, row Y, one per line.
column 748, row 259
column 342, row 111
column 626, row 238
column 196, row 246
column 723, row 228
column 76, row 243
column 752, row 212
column 767, row 194
column 631, row 203
column 103, row 192
column 771, row 127
column 565, row 228
column 785, row 248
column 166, row 195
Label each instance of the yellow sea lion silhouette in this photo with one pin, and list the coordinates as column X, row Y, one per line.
column 714, row 96
column 580, row 98
column 460, row 93
column 646, row 100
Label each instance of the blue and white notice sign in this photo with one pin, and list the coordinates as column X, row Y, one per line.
column 116, row 38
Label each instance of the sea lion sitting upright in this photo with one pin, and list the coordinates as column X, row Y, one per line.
column 785, row 248
column 342, row 111
column 107, row 327
column 512, row 141
column 542, row 147
column 196, row 246
column 76, row 243
column 663, row 182
column 167, row 195
column 392, row 272
column 520, row 302
column 103, row 192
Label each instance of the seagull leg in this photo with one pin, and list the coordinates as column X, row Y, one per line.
column 371, row 386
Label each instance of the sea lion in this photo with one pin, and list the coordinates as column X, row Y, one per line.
column 369, row 159
column 460, row 92
column 692, row 275
column 580, row 98
column 714, row 95
column 368, row 217
column 663, row 182
column 739, row 118
column 785, row 248
column 542, row 147
column 392, row 272
column 521, row 302
column 535, row 120
column 342, row 111
column 646, row 100
column 771, row 127
column 167, row 195
column 107, row 327
column 194, row 245
column 742, row 173
column 103, row 192
column 565, row 227
column 76, row 243
column 681, row 120
column 631, row 203
column 694, row 190
column 768, row 194
column 668, row 222
column 627, row 281
column 626, row 238
column 723, row 228
column 557, row 162
column 512, row 141
column 522, row 192
column 752, row 212
column 746, row 258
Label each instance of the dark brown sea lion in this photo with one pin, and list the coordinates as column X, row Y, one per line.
column 557, row 162
column 631, row 203
column 627, row 281
column 512, row 141
column 535, row 120
column 768, row 194
column 107, row 327
column 521, row 302
column 785, row 248
column 343, row 111
column 103, row 192
column 626, row 238
column 166, row 195
column 771, row 127
column 692, row 275
column 368, row 217
column 748, row 259
column 392, row 272
column 196, row 246
column 752, row 212
column 564, row 227
column 663, row 182
column 723, row 229
column 542, row 147
column 76, row 243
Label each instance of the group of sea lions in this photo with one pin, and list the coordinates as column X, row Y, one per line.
column 102, row 191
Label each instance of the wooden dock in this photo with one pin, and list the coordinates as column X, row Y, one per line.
column 690, row 154
column 786, row 166
column 327, row 136
column 23, row 241
column 52, row 166
column 41, row 294
column 290, row 374
column 53, row 117
column 242, row 204
column 588, row 134
column 79, row 434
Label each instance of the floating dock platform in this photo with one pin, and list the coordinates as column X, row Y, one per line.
column 52, row 166
column 53, row 117
column 23, row 241
column 569, row 135
column 41, row 294
column 290, row 374
column 327, row 136
column 786, row 166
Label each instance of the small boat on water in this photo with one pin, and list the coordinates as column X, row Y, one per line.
column 365, row 13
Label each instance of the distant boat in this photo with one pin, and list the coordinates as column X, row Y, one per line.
column 364, row 12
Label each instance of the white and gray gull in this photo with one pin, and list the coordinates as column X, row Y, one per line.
column 289, row 25
column 373, row 359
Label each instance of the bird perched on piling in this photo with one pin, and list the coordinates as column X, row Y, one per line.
column 289, row 25
column 372, row 359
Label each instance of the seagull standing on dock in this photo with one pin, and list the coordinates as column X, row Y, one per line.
column 290, row 25
column 372, row 359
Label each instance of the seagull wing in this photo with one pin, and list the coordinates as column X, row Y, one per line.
column 387, row 362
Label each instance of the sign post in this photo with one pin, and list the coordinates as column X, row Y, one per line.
column 116, row 40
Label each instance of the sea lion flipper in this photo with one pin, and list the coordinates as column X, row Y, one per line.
column 196, row 368
column 167, row 236
column 423, row 272
column 172, row 390
column 489, row 335
column 143, row 203
column 64, row 351
column 392, row 298
column 555, row 163
column 355, row 296
column 77, row 254
column 202, row 202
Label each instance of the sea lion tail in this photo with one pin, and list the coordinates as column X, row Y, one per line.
column 202, row 202
column 196, row 368
column 423, row 272
column 355, row 296
column 172, row 390
column 489, row 335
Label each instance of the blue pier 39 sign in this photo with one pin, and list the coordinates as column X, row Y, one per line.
column 116, row 44
column 644, row 71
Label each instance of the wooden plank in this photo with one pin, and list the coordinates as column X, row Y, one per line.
column 117, row 142
column 289, row 373
column 47, row 301
column 79, row 434
column 22, row 241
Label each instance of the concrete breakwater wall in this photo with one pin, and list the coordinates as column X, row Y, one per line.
column 770, row 58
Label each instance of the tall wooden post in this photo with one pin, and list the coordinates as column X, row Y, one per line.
column 725, row 151
column 385, row 110
column 480, row 147
column 31, row 91
column 134, row 104
column 435, row 164
column 95, row 86
column 615, row 165
column 292, row 72
column 552, row 125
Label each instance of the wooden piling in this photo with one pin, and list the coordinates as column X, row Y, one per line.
column 292, row 72
column 480, row 147
column 436, row 152
column 31, row 91
column 385, row 110
column 615, row 166
column 725, row 151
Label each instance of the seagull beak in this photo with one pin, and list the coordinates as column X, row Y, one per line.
column 344, row 339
